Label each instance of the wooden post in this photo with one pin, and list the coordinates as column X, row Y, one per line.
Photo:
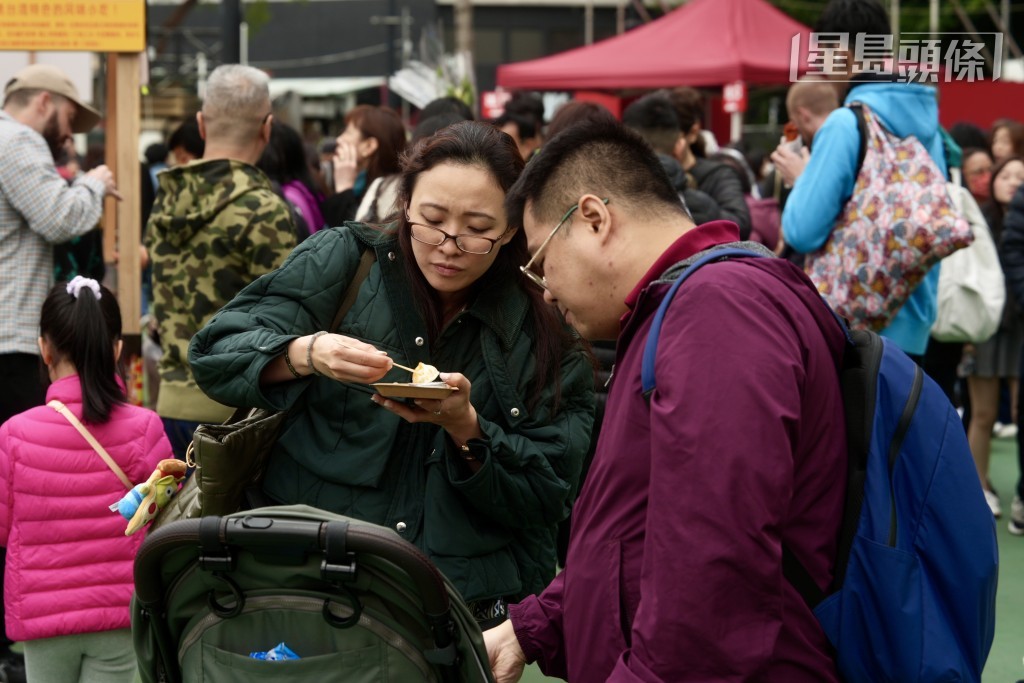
column 110, row 157
column 121, row 229
column 129, row 182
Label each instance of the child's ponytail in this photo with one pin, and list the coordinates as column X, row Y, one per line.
column 82, row 322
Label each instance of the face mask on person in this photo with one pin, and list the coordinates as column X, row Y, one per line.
column 979, row 184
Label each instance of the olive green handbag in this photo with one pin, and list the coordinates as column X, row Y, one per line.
column 229, row 458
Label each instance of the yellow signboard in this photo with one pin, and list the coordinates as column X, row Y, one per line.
column 86, row 25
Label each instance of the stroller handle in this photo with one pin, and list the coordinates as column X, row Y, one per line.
column 292, row 535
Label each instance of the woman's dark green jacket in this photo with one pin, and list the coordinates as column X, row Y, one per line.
column 491, row 532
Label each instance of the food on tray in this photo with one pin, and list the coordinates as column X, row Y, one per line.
column 424, row 374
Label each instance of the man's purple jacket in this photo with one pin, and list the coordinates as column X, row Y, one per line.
column 674, row 571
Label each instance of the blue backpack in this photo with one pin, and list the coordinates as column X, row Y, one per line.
column 913, row 594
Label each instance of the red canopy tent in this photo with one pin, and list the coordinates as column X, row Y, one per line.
column 703, row 43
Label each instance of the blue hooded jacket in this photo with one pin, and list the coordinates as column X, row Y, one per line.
column 827, row 182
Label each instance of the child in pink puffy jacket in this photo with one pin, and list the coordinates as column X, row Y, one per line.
column 68, row 579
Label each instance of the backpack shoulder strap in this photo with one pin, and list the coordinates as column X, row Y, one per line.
column 100, row 451
column 647, row 378
column 865, row 135
column 862, row 362
column 362, row 271
column 859, row 374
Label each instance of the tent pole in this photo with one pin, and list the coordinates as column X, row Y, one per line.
column 1004, row 17
column 638, row 5
column 1002, row 24
column 965, row 19
column 588, row 23
column 463, row 25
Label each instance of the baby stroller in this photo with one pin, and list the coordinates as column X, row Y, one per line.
column 353, row 600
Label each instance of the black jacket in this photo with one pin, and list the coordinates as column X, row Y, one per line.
column 702, row 207
column 724, row 186
column 1011, row 247
column 339, row 208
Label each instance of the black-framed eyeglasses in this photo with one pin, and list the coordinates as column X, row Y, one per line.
column 435, row 237
column 534, row 277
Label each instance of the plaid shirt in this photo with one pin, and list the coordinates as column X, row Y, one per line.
column 37, row 210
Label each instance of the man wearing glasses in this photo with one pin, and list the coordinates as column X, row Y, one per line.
column 674, row 570
column 215, row 227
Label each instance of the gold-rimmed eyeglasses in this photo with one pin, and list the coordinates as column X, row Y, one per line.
column 435, row 237
column 534, row 277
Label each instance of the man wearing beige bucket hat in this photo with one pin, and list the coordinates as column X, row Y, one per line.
column 38, row 209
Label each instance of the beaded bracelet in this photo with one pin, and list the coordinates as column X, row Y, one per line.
column 291, row 368
column 309, row 352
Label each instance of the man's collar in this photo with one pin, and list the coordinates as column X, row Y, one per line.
column 6, row 115
column 689, row 243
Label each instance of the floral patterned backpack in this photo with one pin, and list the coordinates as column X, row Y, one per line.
column 897, row 224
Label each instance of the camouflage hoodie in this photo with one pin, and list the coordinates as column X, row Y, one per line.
column 215, row 227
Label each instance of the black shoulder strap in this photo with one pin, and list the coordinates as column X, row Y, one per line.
column 862, row 360
column 362, row 271
column 862, row 128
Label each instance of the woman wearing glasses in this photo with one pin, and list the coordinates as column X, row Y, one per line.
column 478, row 480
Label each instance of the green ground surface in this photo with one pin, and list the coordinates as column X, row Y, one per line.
column 1005, row 661
column 533, row 675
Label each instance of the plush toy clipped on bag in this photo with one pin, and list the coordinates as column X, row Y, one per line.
column 140, row 505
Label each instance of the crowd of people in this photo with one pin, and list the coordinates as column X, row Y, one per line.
column 525, row 258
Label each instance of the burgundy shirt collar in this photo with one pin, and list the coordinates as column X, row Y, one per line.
column 691, row 242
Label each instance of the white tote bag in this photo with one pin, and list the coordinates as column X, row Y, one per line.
column 972, row 291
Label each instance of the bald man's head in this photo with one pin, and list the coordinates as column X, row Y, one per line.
column 809, row 102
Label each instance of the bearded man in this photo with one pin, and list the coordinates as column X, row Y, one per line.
column 38, row 209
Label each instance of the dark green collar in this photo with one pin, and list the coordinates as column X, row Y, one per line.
column 503, row 309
